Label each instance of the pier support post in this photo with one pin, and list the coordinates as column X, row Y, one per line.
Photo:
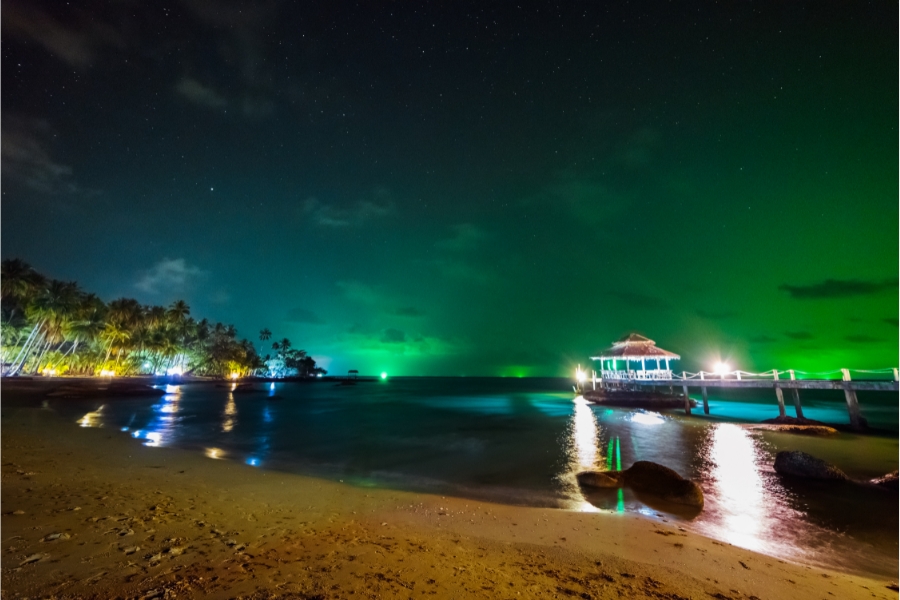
column 796, row 393
column 705, row 401
column 779, row 395
column 687, row 400
column 852, row 402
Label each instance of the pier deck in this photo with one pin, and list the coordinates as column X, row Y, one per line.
column 769, row 380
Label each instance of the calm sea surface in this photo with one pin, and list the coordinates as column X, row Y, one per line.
column 521, row 441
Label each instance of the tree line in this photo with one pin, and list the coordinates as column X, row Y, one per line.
column 54, row 327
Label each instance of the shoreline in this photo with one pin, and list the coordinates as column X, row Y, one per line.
column 224, row 529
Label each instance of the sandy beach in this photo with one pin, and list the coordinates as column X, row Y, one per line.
column 91, row 513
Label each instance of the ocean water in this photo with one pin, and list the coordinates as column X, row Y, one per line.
column 521, row 441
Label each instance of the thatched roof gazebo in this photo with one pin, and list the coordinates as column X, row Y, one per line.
column 616, row 362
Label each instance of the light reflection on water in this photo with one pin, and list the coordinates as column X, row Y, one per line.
column 738, row 492
column 520, row 447
column 230, row 414
column 584, row 436
column 93, row 418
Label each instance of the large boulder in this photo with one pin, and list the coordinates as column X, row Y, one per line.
column 649, row 478
column 601, row 479
column 801, row 464
column 652, row 478
column 888, row 482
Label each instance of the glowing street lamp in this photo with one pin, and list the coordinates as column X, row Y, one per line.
column 722, row 369
column 580, row 376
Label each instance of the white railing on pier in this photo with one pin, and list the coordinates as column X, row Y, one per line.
column 773, row 375
column 639, row 375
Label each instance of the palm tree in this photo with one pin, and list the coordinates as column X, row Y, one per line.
column 264, row 334
column 178, row 312
column 155, row 316
column 114, row 333
column 53, row 307
column 18, row 279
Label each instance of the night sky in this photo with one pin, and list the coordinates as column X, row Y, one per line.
column 461, row 189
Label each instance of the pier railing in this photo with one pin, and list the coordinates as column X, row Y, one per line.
column 877, row 380
column 789, row 374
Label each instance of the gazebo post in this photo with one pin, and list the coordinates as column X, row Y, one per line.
column 705, row 399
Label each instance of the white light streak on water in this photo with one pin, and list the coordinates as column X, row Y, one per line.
column 739, row 487
column 647, row 418
column 229, row 415
column 584, row 433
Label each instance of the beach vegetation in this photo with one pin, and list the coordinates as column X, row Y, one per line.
column 54, row 327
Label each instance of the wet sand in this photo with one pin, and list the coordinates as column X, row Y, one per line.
column 91, row 513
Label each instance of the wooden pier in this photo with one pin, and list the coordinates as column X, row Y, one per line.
column 618, row 372
column 770, row 379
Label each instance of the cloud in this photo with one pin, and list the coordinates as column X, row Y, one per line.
column 408, row 311
column 359, row 292
column 588, row 201
column 861, row 338
column 462, row 271
column 220, row 297
column 640, row 147
column 202, row 95
column 169, row 276
column 762, row 339
column 891, row 321
column 27, row 160
column 393, row 336
column 716, row 315
column 302, row 315
column 465, row 237
column 356, row 214
column 798, row 335
column 244, row 29
column 75, row 42
column 839, row 288
column 637, row 300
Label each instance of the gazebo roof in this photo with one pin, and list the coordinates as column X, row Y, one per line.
column 635, row 347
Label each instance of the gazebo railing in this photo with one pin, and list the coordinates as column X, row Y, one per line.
column 632, row 375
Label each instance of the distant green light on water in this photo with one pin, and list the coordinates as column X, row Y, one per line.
column 383, row 375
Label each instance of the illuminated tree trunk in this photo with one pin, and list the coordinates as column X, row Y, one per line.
column 19, row 362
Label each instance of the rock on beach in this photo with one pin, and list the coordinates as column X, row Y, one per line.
column 888, row 482
column 649, row 478
column 801, row 464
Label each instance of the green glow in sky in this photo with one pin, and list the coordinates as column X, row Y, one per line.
column 520, row 193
